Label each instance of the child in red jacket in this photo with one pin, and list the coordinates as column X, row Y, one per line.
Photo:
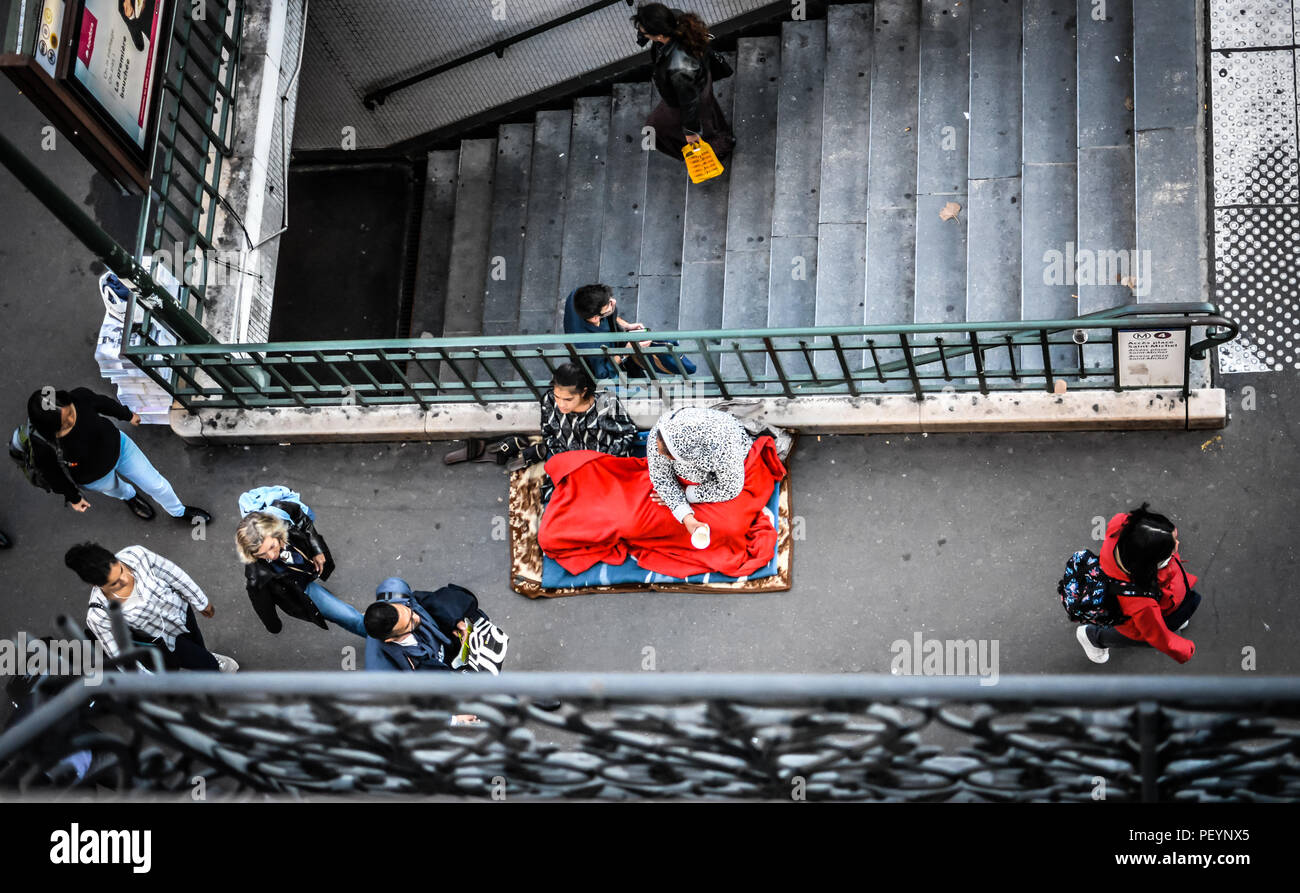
column 1141, row 550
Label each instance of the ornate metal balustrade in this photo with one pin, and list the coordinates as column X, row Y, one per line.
column 619, row 736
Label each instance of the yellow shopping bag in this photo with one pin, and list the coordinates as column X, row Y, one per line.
column 701, row 163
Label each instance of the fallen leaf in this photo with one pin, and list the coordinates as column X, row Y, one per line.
column 1059, row 386
column 949, row 211
column 1128, row 103
column 1130, row 281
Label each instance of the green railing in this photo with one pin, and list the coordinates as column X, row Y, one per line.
column 195, row 133
column 854, row 361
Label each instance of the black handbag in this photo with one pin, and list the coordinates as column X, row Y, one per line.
column 718, row 67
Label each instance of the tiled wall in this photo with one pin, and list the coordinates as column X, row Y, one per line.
column 356, row 45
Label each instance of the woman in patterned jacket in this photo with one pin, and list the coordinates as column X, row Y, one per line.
column 578, row 416
column 705, row 447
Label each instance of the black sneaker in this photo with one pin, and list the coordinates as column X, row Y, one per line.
column 191, row 512
column 140, row 508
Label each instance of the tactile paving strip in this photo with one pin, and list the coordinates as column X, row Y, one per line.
column 1251, row 23
column 1254, row 103
column 1256, row 163
column 1257, row 278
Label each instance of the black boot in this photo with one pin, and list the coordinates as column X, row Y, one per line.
column 192, row 512
column 140, row 508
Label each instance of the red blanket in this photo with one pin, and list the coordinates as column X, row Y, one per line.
column 601, row 511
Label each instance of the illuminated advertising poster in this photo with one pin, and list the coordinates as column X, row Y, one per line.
column 117, row 49
column 49, row 35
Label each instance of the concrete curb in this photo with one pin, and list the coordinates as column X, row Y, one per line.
column 1205, row 408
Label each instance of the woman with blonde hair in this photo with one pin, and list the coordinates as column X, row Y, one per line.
column 285, row 560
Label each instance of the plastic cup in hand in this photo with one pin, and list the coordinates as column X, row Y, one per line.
column 700, row 538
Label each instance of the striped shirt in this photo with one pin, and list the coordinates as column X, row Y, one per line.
column 157, row 605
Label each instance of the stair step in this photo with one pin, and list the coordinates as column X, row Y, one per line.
column 792, row 282
column 436, row 222
column 584, row 200
column 1049, row 175
column 891, row 221
column 1049, row 82
column 993, row 263
column 943, row 136
column 545, row 227
column 846, row 115
column 704, row 240
column 753, row 175
column 467, row 269
column 625, row 182
column 508, row 228
column 995, row 89
column 1105, row 73
column 1166, row 116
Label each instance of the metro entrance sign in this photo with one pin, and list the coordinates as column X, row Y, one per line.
column 93, row 68
column 1151, row 357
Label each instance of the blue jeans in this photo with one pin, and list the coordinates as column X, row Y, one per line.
column 335, row 609
column 133, row 467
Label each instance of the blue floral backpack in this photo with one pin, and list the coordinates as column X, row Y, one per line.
column 1089, row 595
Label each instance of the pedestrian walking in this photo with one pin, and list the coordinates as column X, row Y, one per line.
column 683, row 75
column 286, row 561
column 77, row 448
column 1144, row 593
column 158, row 600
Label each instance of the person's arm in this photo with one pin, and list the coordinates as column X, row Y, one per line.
column 551, row 443
column 664, row 479
column 1145, row 615
column 304, row 524
column 98, row 622
column 104, row 405
column 47, row 463
column 263, row 606
column 177, row 579
column 688, row 100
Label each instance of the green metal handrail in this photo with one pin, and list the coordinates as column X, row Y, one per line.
column 789, row 362
column 195, row 129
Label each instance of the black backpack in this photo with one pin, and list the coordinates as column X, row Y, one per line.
column 21, row 450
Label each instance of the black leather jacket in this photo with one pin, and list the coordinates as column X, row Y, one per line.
column 680, row 79
column 274, row 584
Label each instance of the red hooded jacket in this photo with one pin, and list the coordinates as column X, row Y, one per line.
column 1145, row 619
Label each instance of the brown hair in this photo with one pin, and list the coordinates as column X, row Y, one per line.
column 688, row 28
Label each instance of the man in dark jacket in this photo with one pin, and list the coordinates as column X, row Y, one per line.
column 76, row 447
column 415, row 630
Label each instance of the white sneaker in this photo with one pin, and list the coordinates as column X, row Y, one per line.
column 1095, row 654
column 226, row 664
column 1184, row 626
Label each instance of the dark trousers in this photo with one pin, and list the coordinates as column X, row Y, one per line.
column 190, row 653
column 1109, row 637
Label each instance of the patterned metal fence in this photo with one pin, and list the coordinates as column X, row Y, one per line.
column 975, row 356
column 620, row 736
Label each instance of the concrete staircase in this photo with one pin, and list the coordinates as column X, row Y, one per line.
column 1059, row 136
